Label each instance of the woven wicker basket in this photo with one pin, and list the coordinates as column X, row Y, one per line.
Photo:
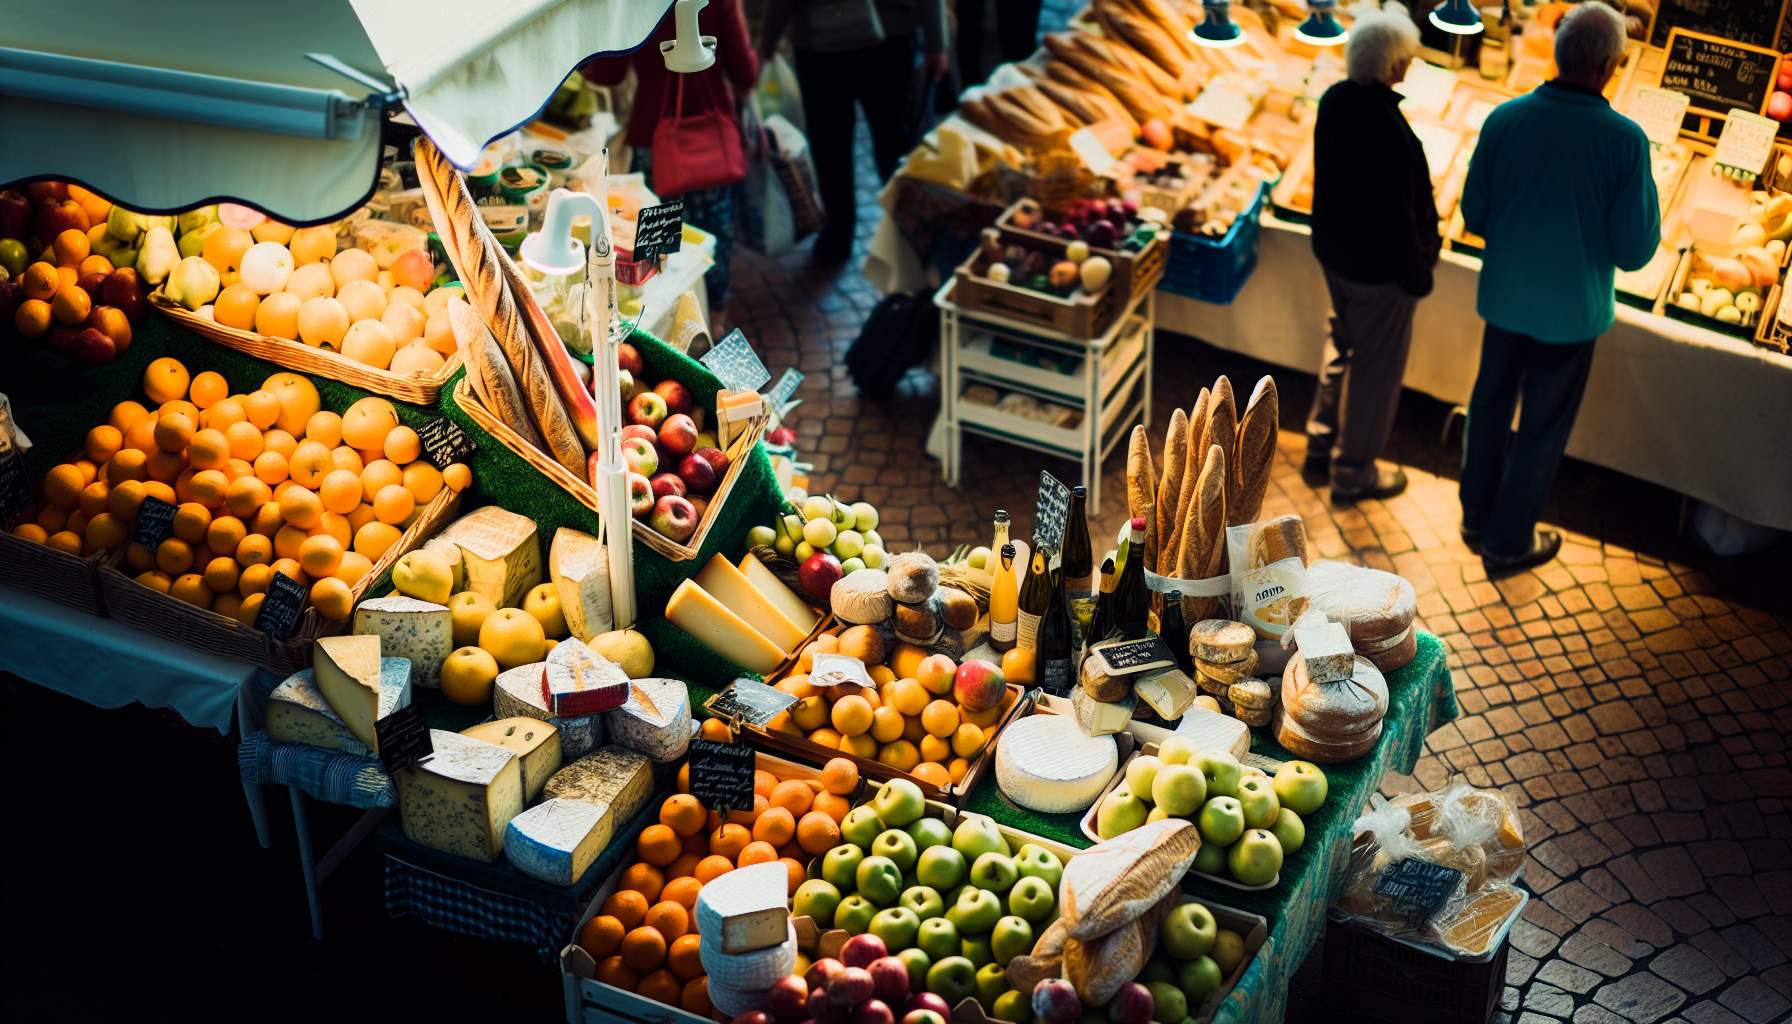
column 423, row 389
column 200, row 628
column 70, row 580
column 587, row 495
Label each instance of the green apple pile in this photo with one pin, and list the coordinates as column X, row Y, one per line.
column 1247, row 820
column 1194, row 956
column 954, row 904
column 825, row 525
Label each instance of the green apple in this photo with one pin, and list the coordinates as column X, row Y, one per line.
column 861, row 827
column 1156, row 970
column 1228, row 951
column 1011, row 937
column 1168, row 1001
column 1032, row 899
column 975, row 912
column 929, row 832
column 940, row 867
column 1141, row 772
column 917, row 961
column 1198, row 978
column 1257, row 795
column 1157, row 814
column 992, row 981
column 1120, row 812
column 1290, row 831
column 976, row 949
column 879, row 880
column 1300, row 786
column 854, row 914
column 977, row 835
column 899, row 802
column 995, row 872
column 1035, row 861
column 925, row 901
column 952, row 895
column 1178, row 790
column 898, row 846
column 1222, row 771
column 1256, row 858
column 1176, row 750
column 840, row 866
column 817, row 899
column 1221, row 821
column 952, row 979
column 937, row 937
column 896, row 926
column 1014, row 1006
column 1210, row 859
column 1188, row 931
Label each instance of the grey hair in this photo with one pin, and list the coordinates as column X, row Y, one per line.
column 1379, row 40
column 1589, row 39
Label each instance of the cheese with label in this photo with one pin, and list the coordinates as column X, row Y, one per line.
column 1047, row 763
column 462, row 797
column 421, row 631
column 298, row 713
column 348, row 675
column 698, row 613
column 742, row 977
column 619, row 779
column 534, row 742
column 557, row 840
column 501, row 554
column 518, row 692
column 579, row 681
column 786, row 600
column 656, row 719
column 579, row 566
column 1170, row 692
column 731, row 587
column 1101, row 718
column 1327, row 650
column 747, row 908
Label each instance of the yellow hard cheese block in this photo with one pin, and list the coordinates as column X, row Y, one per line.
column 348, row 675
column 501, row 553
column 536, row 742
column 731, row 586
column 698, row 613
column 781, row 596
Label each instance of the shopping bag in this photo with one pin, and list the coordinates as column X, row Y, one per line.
column 788, row 149
column 693, row 152
column 778, row 95
column 782, row 202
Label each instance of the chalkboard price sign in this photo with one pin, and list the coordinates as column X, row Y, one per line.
column 444, row 443
column 1417, row 889
column 404, row 738
column 749, row 702
column 722, row 775
column 281, row 607
column 1129, row 656
column 1717, row 75
column 1051, row 513
column 1752, row 22
column 659, row 230
column 15, row 486
column 155, row 518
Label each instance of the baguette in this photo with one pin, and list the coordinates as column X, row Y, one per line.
column 1166, row 16
column 1191, row 475
column 1084, row 106
column 1096, row 60
column 1119, row 52
column 487, row 372
column 1004, row 123
column 1208, row 533
column 1174, row 527
column 1141, row 488
column 1144, row 36
column 1169, row 489
column 1256, row 452
column 1067, row 74
column 581, row 408
column 1222, row 423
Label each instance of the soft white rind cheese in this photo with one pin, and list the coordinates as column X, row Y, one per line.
column 462, row 797
column 656, row 720
column 745, row 909
column 579, row 681
column 616, row 779
column 556, row 840
column 747, row 974
column 298, row 713
column 409, row 628
column 1047, row 763
column 518, row 693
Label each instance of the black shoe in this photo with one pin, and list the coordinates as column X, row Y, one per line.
column 1472, row 539
column 1544, row 546
column 1318, row 465
column 1388, row 482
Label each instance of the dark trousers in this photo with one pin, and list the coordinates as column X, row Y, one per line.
column 878, row 79
column 1506, row 474
column 1017, row 33
column 1359, row 378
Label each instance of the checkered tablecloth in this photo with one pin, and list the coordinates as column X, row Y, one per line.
column 326, row 775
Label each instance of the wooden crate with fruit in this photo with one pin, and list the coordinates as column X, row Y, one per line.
column 1110, row 229
column 1037, row 286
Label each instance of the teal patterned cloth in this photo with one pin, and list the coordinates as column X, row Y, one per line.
column 1420, row 698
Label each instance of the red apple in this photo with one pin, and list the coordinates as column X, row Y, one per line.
column 91, row 284
column 647, row 408
column 11, row 296
column 851, row 988
column 818, row 575
column 822, row 972
column 1055, row 1002
column 717, row 459
column 822, row 1009
column 978, row 685
column 1131, row 1005
column 62, row 339
column 54, row 218
column 699, row 477
column 889, row 980
column 674, row 518
column 628, row 358
column 781, row 436
column 678, row 435
column 15, row 214
column 1785, row 79
column 788, row 999
column 93, row 347
column 640, row 456
column 666, row 483
column 112, row 323
column 46, row 191
column 873, row 1011
column 677, row 396
column 124, row 289
column 1779, row 106
column 932, row 1002
column 640, row 495
column 642, row 431
column 865, row 949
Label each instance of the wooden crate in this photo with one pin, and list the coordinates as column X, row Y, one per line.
column 1134, row 272
column 1768, row 333
column 1079, row 315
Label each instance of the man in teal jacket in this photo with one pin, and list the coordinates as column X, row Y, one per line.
column 1561, row 189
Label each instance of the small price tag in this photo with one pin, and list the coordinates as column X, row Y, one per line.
column 735, row 364
column 15, row 487
column 785, row 388
column 659, row 230
column 1417, row 888
column 155, row 518
column 1225, row 104
column 280, row 608
column 1052, row 512
column 1746, row 142
column 445, row 443
column 1128, row 656
column 1659, row 112
column 722, row 775
column 840, row 670
column 749, row 702
column 404, row 738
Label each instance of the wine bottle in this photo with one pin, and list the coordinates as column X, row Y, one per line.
column 1004, row 605
column 1035, row 596
column 1101, row 619
column 1174, row 632
column 1078, row 558
column 1132, row 602
column 1052, row 657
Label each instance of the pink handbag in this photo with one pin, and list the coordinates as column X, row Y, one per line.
column 696, row 152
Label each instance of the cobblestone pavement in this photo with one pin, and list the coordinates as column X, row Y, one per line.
column 1631, row 696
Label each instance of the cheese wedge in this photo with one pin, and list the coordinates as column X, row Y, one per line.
column 535, row 743
column 557, row 840
column 578, row 681
column 462, row 797
column 298, row 713
column 731, row 587
column 781, row 596
column 408, row 628
column 579, row 566
column 348, row 675
column 697, row 612
column 501, row 553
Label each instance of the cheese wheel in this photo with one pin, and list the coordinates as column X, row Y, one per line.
column 1334, row 711
column 1302, row 744
column 1221, row 641
column 1047, row 763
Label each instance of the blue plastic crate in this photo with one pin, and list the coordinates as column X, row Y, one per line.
column 1214, row 269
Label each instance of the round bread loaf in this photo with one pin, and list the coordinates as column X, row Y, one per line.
column 914, row 576
column 1398, row 653
column 1228, row 673
column 1334, row 711
column 1221, row 641
column 1251, row 693
column 1299, row 742
column 861, row 598
column 957, row 607
column 1371, row 604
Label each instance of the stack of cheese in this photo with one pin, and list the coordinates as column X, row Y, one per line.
column 747, row 939
column 1333, row 699
column 1225, row 654
column 1048, row 763
column 517, row 692
column 462, row 798
column 744, row 613
column 1117, row 675
column 335, row 703
column 589, row 698
column 1375, row 608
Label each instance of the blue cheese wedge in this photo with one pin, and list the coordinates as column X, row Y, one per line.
column 618, row 780
column 556, row 840
column 298, row 713
column 408, row 628
column 517, row 692
column 461, row 799
column 536, row 743
column 656, row 719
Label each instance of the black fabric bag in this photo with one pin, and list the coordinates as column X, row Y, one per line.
column 897, row 335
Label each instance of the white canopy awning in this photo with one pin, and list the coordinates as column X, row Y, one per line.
column 168, row 105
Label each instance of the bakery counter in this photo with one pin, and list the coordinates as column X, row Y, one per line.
column 1420, row 699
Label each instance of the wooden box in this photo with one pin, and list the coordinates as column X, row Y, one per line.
column 1134, row 272
column 1078, row 315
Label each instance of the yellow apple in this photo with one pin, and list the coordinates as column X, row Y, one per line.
column 543, row 602
column 628, row 649
column 468, row 611
column 423, row 575
column 513, row 637
column 467, row 676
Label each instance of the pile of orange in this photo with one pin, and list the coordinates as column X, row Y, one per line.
column 265, row 482
column 644, row 937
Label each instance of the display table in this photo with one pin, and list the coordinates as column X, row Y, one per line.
column 1420, row 698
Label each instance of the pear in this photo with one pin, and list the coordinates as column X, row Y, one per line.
column 158, row 256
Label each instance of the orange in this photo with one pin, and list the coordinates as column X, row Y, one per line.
column 612, row 971
column 840, row 776
column 254, row 577
column 53, row 518
column 967, row 740
column 77, row 522
column 208, row 389
column 191, row 589
column 354, row 568
column 373, row 539
column 601, row 936
column 682, row 814
column 861, row 745
column 262, row 408
column 270, row 467
column 958, row 768
column 254, row 549
column 662, row 986
column 249, row 609
column 764, row 782
column 817, row 833
column 278, row 440
column 90, row 471
column 776, row 826
column 394, row 504
column 301, row 507
column 851, row 715
column 940, row 718
column 682, row 891
column 695, row 998
column 658, row 845
column 165, row 380
column 908, row 696
column 70, row 247
column 643, row 948
column 717, row 730
column 402, row 445
column 713, row 867
column 267, row 521
column 225, row 535
column 320, row 554
column 105, row 531
column 793, row 796
column 377, row 476
column 757, row 852
column 173, row 431
column 236, row 305
column 158, row 489
column 71, row 306
column 141, row 435
column 324, row 427
column 684, row 869
column 40, row 281
column 245, row 495
column 332, row 525
column 729, row 840
column 227, row 605
column 342, row 457
column 33, row 317
column 244, row 439
column 309, row 462
column 174, row 557
column 182, row 406
column 795, row 874
column 645, row 879
column 126, row 415
column 208, row 449
column 832, row 805
column 63, row 485
column 626, row 905
column 340, row 491
column 933, row 748
column 163, row 467
column 682, row 957
column 221, row 574
column 332, row 599
column 156, row 581
column 668, row 918
column 225, row 412
column 95, row 264
column 933, row 773
column 825, row 737
column 103, row 442
column 886, row 725
column 92, row 500
column 207, row 487
column 458, row 477
column 31, row 532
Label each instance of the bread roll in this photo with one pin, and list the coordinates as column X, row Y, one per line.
column 1276, row 539
column 1334, row 710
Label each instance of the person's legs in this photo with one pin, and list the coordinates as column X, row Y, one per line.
column 1017, row 27
column 828, row 110
column 971, row 14
column 884, row 86
column 713, row 211
column 1381, row 335
column 1555, row 378
column 1322, row 418
column 1489, row 429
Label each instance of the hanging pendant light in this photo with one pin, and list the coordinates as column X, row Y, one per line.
column 1457, row 17
column 1217, row 30
column 688, row 51
column 1321, row 27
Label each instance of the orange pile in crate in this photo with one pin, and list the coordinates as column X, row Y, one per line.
column 644, row 938
column 265, row 482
